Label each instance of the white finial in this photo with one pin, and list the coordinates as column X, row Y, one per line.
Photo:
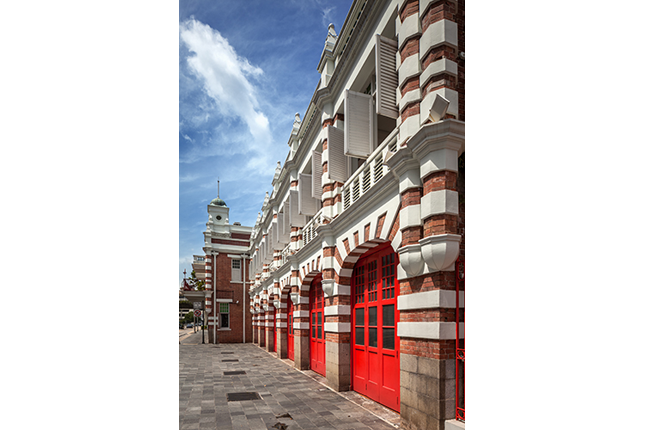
column 331, row 31
column 297, row 117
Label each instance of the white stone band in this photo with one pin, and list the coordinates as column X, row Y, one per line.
column 429, row 330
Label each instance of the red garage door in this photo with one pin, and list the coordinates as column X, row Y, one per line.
column 317, row 320
column 375, row 345
column 290, row 328
column 275, row 330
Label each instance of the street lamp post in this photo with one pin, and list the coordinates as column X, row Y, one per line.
column 201, row 325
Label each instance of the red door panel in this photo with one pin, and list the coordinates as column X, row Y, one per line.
column 290, row 329
column 375, row 346
column 317, row 326
column 275, row 331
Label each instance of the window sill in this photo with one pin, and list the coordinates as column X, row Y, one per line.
column 223, row 329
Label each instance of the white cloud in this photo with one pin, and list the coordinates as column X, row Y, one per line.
column 225, row 76
column 326, row 15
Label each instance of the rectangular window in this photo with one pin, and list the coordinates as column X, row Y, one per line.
column 360, row 329
column 320, row 327
column 388, row 326
column 223, row 316
column 360, row 336
column 373, row 330
column 236, row 270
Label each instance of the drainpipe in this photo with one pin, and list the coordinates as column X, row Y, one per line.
column 243, row 298
column 214, row 255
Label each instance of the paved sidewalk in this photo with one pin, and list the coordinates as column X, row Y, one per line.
column 282, row 390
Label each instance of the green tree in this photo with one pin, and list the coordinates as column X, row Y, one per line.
column 189, row 317
column 197, row 284
column 185, row 304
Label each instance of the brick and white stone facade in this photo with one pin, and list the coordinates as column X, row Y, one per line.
column 368, row 168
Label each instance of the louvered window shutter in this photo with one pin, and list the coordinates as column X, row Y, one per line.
column 297, row 220
column 359, row 124
column 283, row 239
column 316, row 175
column 306, row 203
column 387, row 78
column 337, row 162
column 275, row 233
column 286, row 227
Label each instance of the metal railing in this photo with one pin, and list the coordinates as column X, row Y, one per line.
column 370, row 172
column 286, row 252
column 309, row 230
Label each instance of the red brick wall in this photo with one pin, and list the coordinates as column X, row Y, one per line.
column 237, row 311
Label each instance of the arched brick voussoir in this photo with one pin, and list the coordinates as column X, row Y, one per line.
column 307, row 280
column 343, row 277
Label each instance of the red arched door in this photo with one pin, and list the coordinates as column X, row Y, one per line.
column 317, row 324
column 290, row 328
column 275, row 330
column 375, row 345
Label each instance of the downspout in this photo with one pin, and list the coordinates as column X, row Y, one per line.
column 215, row 321
column 243, row 298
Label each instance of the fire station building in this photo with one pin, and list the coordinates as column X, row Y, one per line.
column 355, row 265
column 357, row 255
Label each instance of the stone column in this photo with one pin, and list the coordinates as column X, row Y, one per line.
column 427, row 296
column 301, row 330
column 409, row 69
column 281, row 326
column 331, row 191
column 336, row 290
column 269, row 314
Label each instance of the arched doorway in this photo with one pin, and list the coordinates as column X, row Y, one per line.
column 275, row 329
column 290, row 329
column 317, row 322
column 375, row 345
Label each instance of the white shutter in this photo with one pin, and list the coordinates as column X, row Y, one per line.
column 286, row 227
column 297, row 220
column 316, row 174
column 387, row 79
column 336, row 161
column 283, row 238
column 307, row 205
column 359, row 123
column 275, row 233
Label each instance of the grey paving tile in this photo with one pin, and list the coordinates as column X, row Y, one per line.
column 203, row 388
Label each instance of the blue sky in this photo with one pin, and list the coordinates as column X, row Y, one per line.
column 245, row 69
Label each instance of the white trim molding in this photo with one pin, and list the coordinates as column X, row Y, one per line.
column 429, row 330
column 337, row 310
column 429, row 299
column 338, row 327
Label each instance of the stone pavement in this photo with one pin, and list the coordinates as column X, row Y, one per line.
column 287, row 398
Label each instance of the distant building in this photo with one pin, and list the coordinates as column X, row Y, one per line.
column 199, row 267
column 226, row 273
column 183, row 307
